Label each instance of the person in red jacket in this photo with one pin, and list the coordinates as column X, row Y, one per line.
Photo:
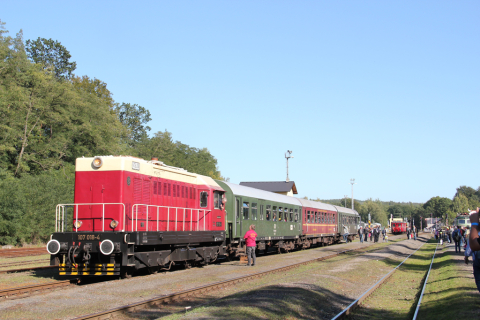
column 250, row 241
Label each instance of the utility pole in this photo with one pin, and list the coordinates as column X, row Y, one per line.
column 352, row 181
column 288, row 156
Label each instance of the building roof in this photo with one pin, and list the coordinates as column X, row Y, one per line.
column 272, row 186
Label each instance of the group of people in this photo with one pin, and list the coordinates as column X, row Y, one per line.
column 457, row 234
column 372, row 233
column 412, row 233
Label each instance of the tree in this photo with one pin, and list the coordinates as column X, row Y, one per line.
column 134, row 118
column 51, row 54
column 460, row 203
column 376, row 210
column 46, row 122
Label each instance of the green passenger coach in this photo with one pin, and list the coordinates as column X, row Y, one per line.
column 277, row 219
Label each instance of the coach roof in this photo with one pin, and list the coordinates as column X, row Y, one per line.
column 317, row 205
column 346, row 210
column 261, row 194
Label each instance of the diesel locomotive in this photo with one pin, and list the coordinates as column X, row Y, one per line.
column 130, row 214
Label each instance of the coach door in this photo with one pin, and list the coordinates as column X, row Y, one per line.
column 237, row 217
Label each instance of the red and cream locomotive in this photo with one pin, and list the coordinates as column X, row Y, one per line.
column 129, row 213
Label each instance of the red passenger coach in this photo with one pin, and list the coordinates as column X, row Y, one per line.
column 129, row 214
column 319, row 222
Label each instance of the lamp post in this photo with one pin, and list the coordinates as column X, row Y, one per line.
column 352, row 181
column 288, row 156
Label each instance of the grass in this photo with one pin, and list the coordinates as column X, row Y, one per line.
column 450, row 291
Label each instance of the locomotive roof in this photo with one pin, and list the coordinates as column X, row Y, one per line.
column 346, row 210
column 261, row 194
column 146, row 167
column 317, row 205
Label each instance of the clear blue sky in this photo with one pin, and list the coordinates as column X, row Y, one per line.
column 386, row 92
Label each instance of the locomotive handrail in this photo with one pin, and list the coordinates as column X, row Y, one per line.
column 60, row 212
column 136, row 206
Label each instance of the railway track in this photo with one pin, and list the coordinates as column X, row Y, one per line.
column 424, row 285
column 347, row 311
column 15, row 292
column 15, row 253
column 22, row 263
column 177, row 296
column 27, row 269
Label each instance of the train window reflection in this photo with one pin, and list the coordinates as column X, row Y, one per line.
column 245, row 210
column 269, row 212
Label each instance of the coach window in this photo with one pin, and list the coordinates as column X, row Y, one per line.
column 254, row 211
column 308, row 216
column 261, row 211
column 291, row 215
column 203, row 199
column 246, row 205
column 274, row 218
column 317, row 217
column 280, row 209
column 296, row 215
column 269, row 212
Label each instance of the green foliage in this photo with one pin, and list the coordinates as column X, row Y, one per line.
column 376, row 210
column 134, row 118
column 27, row 211
column 460, row 204
column 177, row 154
column 51, row 54
column 472, row 195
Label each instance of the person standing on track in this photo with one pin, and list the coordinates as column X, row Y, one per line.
column 250, row 241
column 360, row 234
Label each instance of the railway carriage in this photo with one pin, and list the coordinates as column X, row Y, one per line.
column 277, row 219
column 351, row 219
column 319, row 222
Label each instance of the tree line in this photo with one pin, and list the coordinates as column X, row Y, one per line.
column 49, row 117
column 464, row 200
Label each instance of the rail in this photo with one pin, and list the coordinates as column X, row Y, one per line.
column 424, row 285
column 358, row 301
column 135, row 209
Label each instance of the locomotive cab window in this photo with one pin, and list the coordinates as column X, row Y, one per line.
column 217, row 200
column 203, row 199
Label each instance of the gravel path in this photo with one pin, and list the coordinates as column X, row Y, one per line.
column 85, row 299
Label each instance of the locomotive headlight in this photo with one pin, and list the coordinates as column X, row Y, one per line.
column 97, row 162
column 53, row 246
column 77, row 224
column 106, row 247
column 113, row 224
